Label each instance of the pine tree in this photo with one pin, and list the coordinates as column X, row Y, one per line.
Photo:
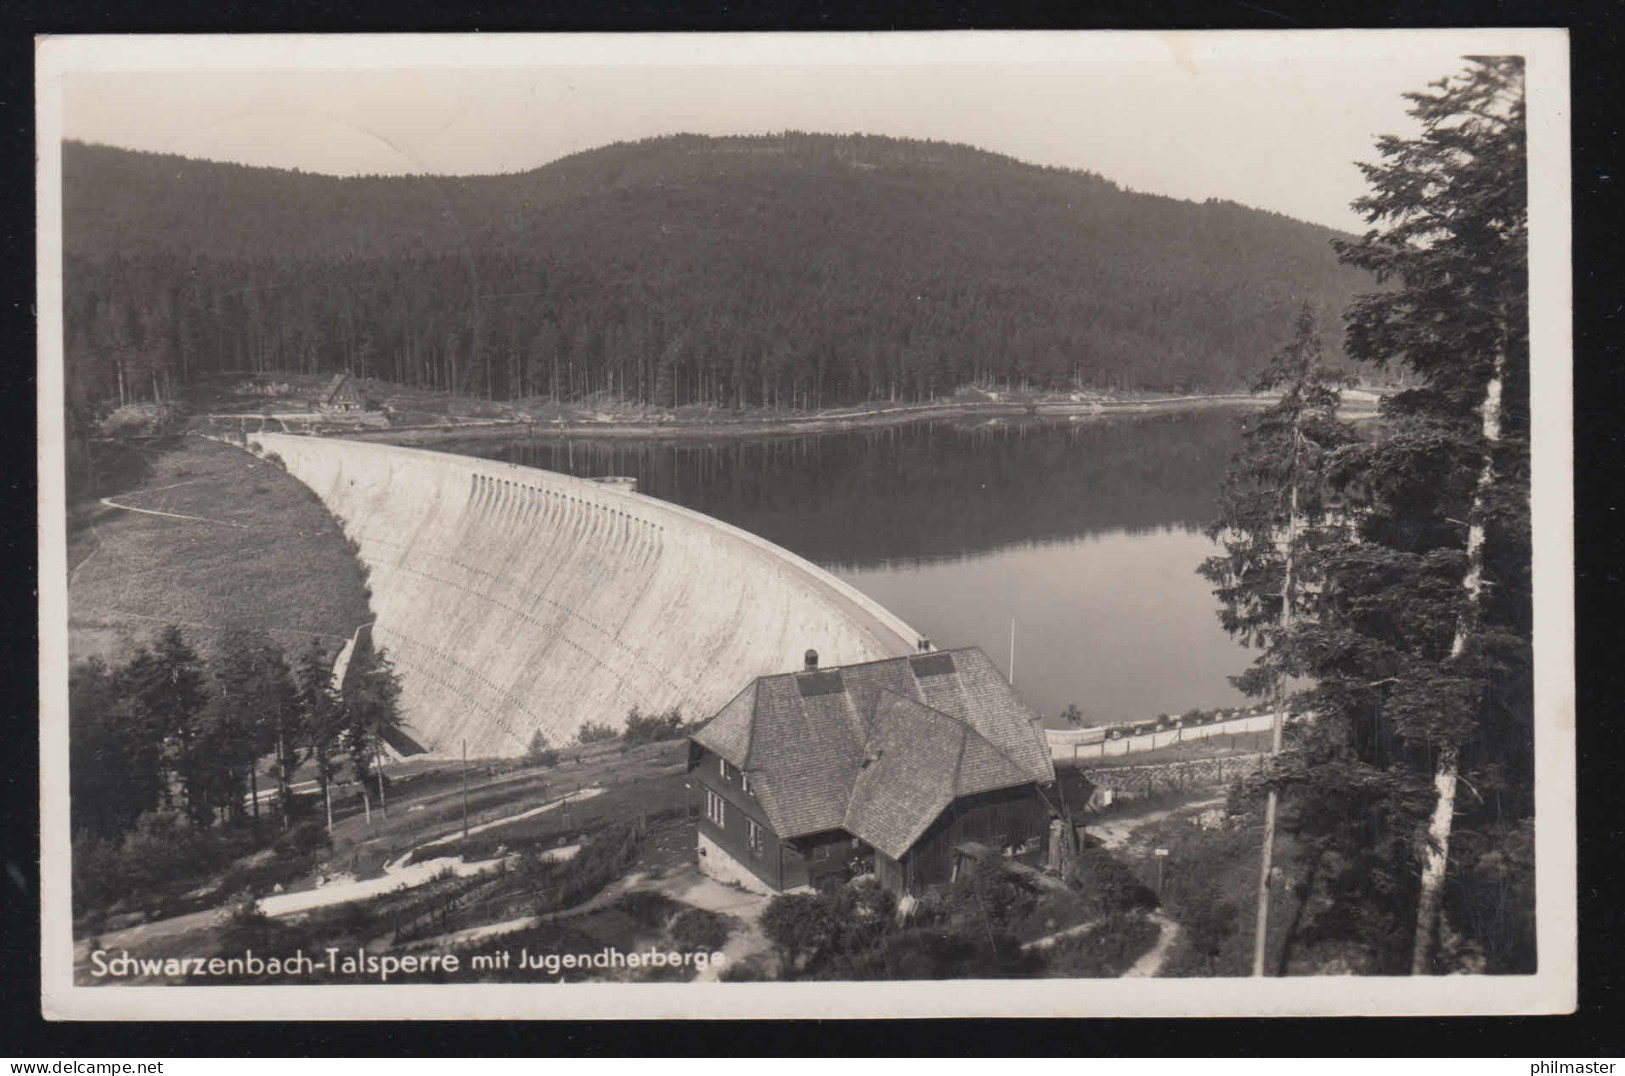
column 113, row 767
column 320, row 717
column 167, row 691
column 1276, row 514
column 1436, row 598
column 371, row 704
column 250, row 714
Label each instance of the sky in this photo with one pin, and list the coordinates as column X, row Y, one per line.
column 1268, row 120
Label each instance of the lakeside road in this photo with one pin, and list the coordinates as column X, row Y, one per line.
column 677, row 429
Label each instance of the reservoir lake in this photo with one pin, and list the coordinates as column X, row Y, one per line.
column 1085, row 532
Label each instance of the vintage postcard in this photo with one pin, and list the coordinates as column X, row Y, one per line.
column 806, row 525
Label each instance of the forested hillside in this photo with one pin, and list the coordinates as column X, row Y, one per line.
column 790, row 270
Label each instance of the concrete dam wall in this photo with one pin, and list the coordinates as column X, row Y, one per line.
column 512, row 599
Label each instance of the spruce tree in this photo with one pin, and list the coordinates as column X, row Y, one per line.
column 249, row 714
column 167, row 691
column 1276, row 515
column 371, row 705
column 320, row 717
column 1434, row 600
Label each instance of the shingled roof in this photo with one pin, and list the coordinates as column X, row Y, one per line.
column 879, row 749
column 340, row 388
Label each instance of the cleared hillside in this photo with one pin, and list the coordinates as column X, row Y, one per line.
column 793, row 270
column 201, row 534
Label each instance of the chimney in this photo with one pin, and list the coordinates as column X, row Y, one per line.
column 811, row 660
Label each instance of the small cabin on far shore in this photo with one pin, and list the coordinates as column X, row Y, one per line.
column 341, row 395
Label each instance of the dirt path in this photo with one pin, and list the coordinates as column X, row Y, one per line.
column 1048, row 941
column 1114, row 833
column 395, row 876
column 111, row 503
column 691, row 887
column 1150, row 965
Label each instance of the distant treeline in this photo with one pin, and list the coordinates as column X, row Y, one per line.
column 786, row 271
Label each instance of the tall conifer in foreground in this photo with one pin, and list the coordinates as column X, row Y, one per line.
column 1275, row 516
column 1434, row 600
column 320, row 718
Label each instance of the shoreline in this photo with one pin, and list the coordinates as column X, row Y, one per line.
column 799, row 424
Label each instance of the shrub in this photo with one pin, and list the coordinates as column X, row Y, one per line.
column 993, row 900
column 304, row 839
column 95, row 866
column 246, row 926
column 595, row 732
column 540, row 753
column 603, row 859
column 652, row 728
column 1209, row 922
column 753, row 969
column 697, row 929
column 799, row 925
column 1106, row 885
column 1106, row 951
column 647, row 908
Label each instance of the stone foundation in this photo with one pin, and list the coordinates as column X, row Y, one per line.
column 717, row 864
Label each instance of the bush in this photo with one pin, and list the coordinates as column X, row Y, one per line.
column 647, row 908
column 304, row 839
column 160, row 856
column 1107, row 951
column 799, row 925
column 540, row 753
column 853, row 934
column 1106, row 885
column 246, row 926
column 1209, row 922
column 697, row 929
column 993, row 900
column 604, row 858
column 652, row 728
column 1493, row 900
column 595, row 732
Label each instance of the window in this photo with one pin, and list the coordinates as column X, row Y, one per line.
column 753, row 834
column 723, row 768
column 744, row 781
column 820, row 852
column 715, row 809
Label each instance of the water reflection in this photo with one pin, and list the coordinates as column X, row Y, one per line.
column 1085, row 533
column 925, row 492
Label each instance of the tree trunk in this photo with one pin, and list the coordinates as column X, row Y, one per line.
column 378, row 768
column 1266, row 854
column 282, row 795
column 1436, row 853
column 327, row 797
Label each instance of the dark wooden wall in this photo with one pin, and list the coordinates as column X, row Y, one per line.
column 997, row 819
column 776, row 858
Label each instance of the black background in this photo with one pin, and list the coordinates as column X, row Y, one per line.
column 1596, row 62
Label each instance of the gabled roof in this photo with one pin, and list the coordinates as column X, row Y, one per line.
column 918, row 761
column 879, row 749
column 340, row 387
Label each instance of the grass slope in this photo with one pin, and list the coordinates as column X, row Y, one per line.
column 260, row 550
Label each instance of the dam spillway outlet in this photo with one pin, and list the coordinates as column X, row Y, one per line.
column 512, row 599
